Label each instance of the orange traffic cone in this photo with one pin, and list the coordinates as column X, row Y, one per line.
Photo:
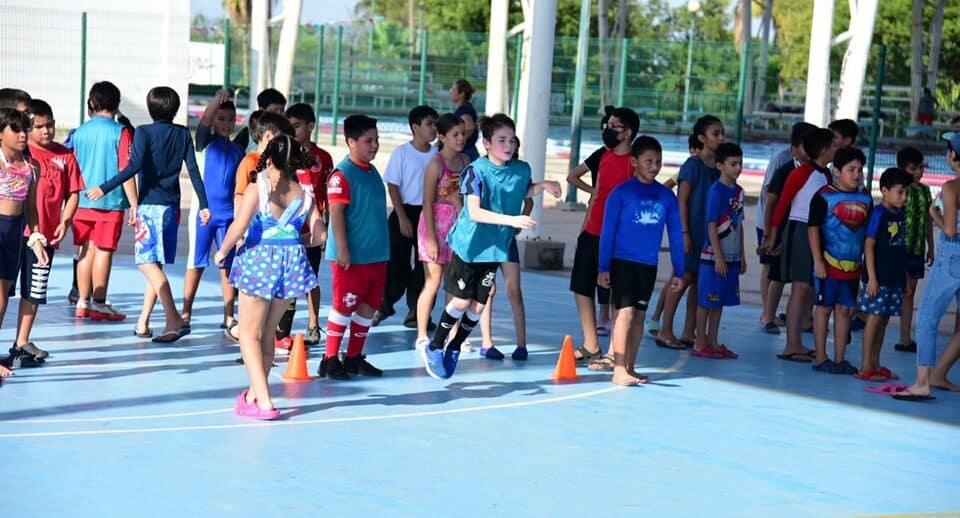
column 297, row 364
column 567, row 363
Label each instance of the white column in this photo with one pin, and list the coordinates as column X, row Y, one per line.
column 916, row 59
column 259, row 48
column 817, row 108
column 496, row 97
column 760, row 86
column 855, row 60
column 533, row 117
column 287, row 49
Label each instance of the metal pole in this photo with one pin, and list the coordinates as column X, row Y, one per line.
column 83, row 66
column 875, row 129
column 226, row 53
column 319, row 81
column 742, row 87
column 421, row 93
column 580, row 79
column 686, row 85
column 336, row 86
column 517, row 70
column 622, row 85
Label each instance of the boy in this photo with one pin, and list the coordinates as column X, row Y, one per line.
column 791, row 214
column 313, row 179
column 919, row 236
column 221, row 156
column 845, row 132
column 102, row 148
column 722, row 261
column 358, row 248
column 267, row 126
column 493, row 188
column 60, row 183
column 404, row 177
column 837, row 226
column 159, row 151
column 635, row 215
column 14, row 98
column 615, row 168
column 886, row 259
column 269, row 100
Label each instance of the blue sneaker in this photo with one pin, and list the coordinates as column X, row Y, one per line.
column 491, row 353
column 519, row 354
column 433, row 361
column 450, row 357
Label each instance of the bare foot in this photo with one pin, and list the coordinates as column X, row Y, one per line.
column 625, row 379
column 915, row 390
column 944, row 384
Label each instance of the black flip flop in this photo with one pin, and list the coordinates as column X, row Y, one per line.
column 795, row 357
column 916, row 398
column 147, row 334
column 667, row 345
column 686, row 343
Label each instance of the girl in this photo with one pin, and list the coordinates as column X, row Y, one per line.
column 696, row 176
column 460, row 93
column 271, row 267
column 940, row 290
column 495, row 189
column 18, row 201
column 441, row 204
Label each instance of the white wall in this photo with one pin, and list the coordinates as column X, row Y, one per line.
column 135, row 45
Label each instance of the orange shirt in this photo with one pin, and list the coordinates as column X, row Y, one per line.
column 247, row 166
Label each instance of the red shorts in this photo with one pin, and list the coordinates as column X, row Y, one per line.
column 102, row 227
column 358, row 284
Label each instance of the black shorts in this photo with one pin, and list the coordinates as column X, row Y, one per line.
column 470, row 281
column 915, row 266
column 315, row 257
column 796, row 259
column 631, row 284
column 586, row 267
column 33, row 278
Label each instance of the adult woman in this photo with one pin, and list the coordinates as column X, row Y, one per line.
column 460, row 93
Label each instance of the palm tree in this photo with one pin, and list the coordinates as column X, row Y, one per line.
column 239, row 13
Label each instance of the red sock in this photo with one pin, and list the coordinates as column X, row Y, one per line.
column 358, row 335
column 336, row 327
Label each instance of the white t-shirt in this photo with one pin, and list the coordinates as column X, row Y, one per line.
column 405, row 170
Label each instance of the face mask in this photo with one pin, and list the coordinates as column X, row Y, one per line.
column 611, row 138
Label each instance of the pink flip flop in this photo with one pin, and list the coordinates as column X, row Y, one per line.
column 888, row 388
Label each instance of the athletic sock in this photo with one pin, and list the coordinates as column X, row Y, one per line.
column 467, row 323
column 447, row 321
column 359, row 327
column 336, row 327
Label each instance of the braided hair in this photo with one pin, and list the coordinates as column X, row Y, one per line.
column 285, row 153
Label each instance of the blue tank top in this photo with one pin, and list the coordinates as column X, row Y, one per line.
column 268, row 229
column 96, row 144
column 365, row 215
column 501, row 189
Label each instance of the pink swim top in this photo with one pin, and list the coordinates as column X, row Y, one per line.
column 449, row 181
column 15, row 182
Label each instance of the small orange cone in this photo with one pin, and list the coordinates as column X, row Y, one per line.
column 567, row 363
column 297, row 364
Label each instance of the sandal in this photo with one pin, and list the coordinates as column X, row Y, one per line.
column 228, row 332
column 586, row 355
column 870, row 375
column 910, row 347
column 653, row 327
column 887, row 373
column 604, row 363
column 146, row 334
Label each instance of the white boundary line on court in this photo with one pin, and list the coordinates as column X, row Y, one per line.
column 117, row 418
column 305, row 422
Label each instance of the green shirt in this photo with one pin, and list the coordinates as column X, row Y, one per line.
column 917, row 217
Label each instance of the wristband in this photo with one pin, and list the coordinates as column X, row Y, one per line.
column 35, row 238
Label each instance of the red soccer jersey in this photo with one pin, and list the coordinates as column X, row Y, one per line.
column 614, row 170
column 315, row 178
column 59, row 178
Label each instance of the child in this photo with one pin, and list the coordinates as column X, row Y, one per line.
column 919, row 235
column 886, row 260
column 271, row 267
column 635, row 215
column 404, row 177
column 60, row 181
column 358, row 249
column 221, row 156
column 697, row 175
column 441, row 204
column 159, row 152
column 615, row 168
column 791, row 213
column 494, row 190
column 722, row 261
column 313, row 179
column 266, row 126
column 18, row 203
column 102, row 147
column 845, row 132
column 268, row 101
column 836, row 228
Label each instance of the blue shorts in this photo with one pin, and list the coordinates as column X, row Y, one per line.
column 155, row 239
column 714, row 291
column 11, row 235
column 835, row 292
column 887, row 303
column 915, row 266
column 202, row 237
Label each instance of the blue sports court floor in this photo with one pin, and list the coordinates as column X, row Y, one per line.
column 119, row 426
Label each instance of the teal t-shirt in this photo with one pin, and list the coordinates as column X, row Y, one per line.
column 501, row 189
column 96, row 144
column 362, row 191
